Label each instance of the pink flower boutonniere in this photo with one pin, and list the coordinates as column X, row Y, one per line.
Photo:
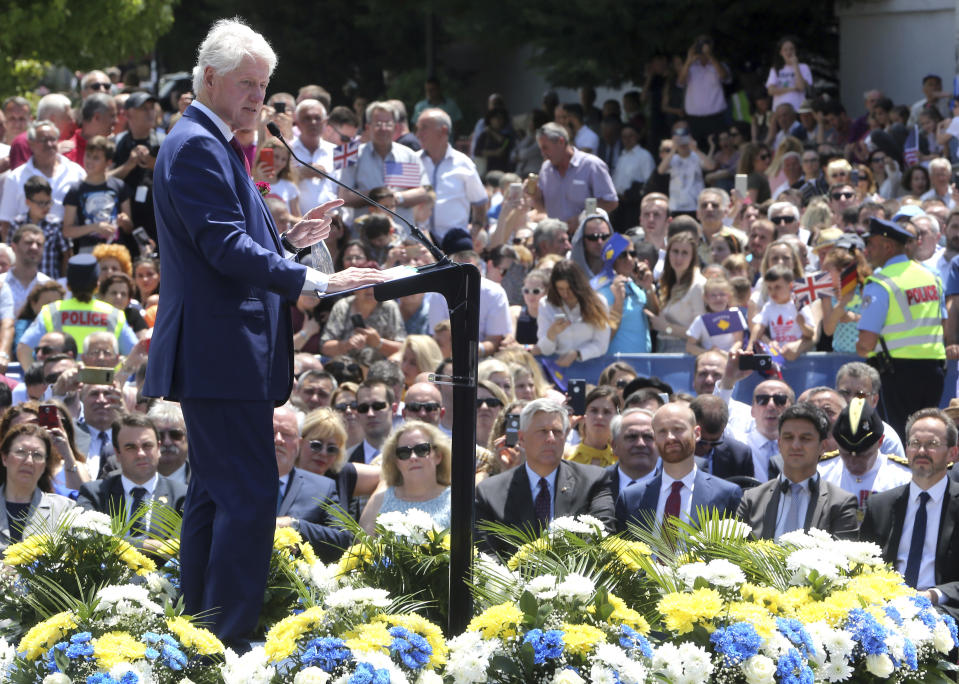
column 263, row 187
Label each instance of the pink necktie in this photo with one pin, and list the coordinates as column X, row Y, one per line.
column 239, row 150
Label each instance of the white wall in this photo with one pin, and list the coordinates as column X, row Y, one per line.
column 891, row 45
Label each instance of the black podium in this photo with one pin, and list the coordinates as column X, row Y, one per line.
column 460, row 285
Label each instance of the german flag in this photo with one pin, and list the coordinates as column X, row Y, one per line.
column 848, row 280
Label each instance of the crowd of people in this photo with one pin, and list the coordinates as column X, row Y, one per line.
column 676, row 220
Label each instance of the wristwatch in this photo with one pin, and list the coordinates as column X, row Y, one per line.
column 288, row 246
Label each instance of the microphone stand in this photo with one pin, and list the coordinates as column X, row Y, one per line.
column 441, row 259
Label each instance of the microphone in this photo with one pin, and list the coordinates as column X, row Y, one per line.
column 414, row 231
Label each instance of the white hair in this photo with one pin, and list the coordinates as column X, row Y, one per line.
column 778, row 206
column 226, row 45
column 8, row 250
column 52, row 104
column 309, row 102
column 384, row 105
column 546, row 406
column 616, row 424
column 940, row 163
column 166, row 412
column 100, row 335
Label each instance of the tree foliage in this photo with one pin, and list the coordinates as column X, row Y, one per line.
column 81, row 35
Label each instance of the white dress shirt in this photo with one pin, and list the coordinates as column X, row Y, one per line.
column 128, row 487
column 785, row 503
column 314, row 189
column 685, row 495
column 626, row 481
column 458, row 187
column 927, row 566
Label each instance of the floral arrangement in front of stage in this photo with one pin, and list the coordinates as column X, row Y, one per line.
column 85, row 551
column 356, row 634
column 573, row 604
column 120, row 636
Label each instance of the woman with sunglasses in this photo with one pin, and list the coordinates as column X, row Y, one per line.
column 28, row 502
column 344, row 403
column 573, row 323
column 323, row 451
column 626, row 285
column 587, row 243
column 416, row 467
column 524, row 317
column 885, row 171
column 490, row 400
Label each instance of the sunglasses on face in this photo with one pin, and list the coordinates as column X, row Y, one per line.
column 175, row 434
column 428, row 406
column 779, row 220
column 596, row 237
column 519, row 241
column 763, row 399
column 376, row 406
column 622, row 382
column 764, row 156
column 345, row 406
column 99, row 86
column 532, row 291
column 317, row 446
column 40, row 203
column 843, row 195
column 421, row 450
column 491, row 402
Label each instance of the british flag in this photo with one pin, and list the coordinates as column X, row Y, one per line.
column 402, row 174
column 812, row 287
column 345, row 155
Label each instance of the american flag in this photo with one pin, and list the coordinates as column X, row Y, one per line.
column 402, row 174
column 815, row 286
column 345, row 155
column 910, row 150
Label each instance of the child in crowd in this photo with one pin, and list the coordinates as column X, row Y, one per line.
column 56, row 247
column 791, row 329
column 280, row 175
column 96, row 208
column 708, row 333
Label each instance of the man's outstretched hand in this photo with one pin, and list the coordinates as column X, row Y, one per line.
column 355, row 277
column 313, row 227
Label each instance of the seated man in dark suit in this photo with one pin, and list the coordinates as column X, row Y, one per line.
column 138, row 484
column 715, row 454
column 546, row 486
column 303, row 494
column 682, row 488
column 799, row 499
column 916, row 524
column 636, row 459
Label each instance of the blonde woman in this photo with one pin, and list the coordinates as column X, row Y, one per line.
column 323, row 452
column 416, row 467
column 419, row 354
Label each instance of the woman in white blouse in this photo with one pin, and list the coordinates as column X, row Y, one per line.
column 681, row 293
column 573, row 323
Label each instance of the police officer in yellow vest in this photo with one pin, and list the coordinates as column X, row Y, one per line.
column 901, row 326
column 79, row 315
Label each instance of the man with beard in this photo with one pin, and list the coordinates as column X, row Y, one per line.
column 715, row 453
column 682, row 489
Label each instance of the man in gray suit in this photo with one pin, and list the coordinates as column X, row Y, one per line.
column 799, row 499
column 546, row 486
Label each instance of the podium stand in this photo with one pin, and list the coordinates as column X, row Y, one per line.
column 460, row 286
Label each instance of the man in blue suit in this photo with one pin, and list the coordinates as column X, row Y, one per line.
column 682, row 488
column 222, row 345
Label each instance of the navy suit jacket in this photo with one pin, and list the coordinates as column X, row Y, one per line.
column 224, row 330
column 729, row 459
column 106, row 495
column 638, row 504
column 303, row 499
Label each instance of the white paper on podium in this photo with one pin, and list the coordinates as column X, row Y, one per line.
column 395, row 273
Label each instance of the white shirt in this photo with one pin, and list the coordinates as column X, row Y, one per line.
column 785, row 504
column 314, row 279
column 14, row 201
column 494, row 310
column 458, row 187
column 93, row 451
column 18, row 290
column 762, row 451
column 884, row 475
column 314, row 189
column 927, row 566
column 179, row 475
column 586, row 139
column 633, row 165
column 128, row 486
column 685, row 495
column 534, row 479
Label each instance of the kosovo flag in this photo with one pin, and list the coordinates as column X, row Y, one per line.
column 724, row 322
column 555, row 373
